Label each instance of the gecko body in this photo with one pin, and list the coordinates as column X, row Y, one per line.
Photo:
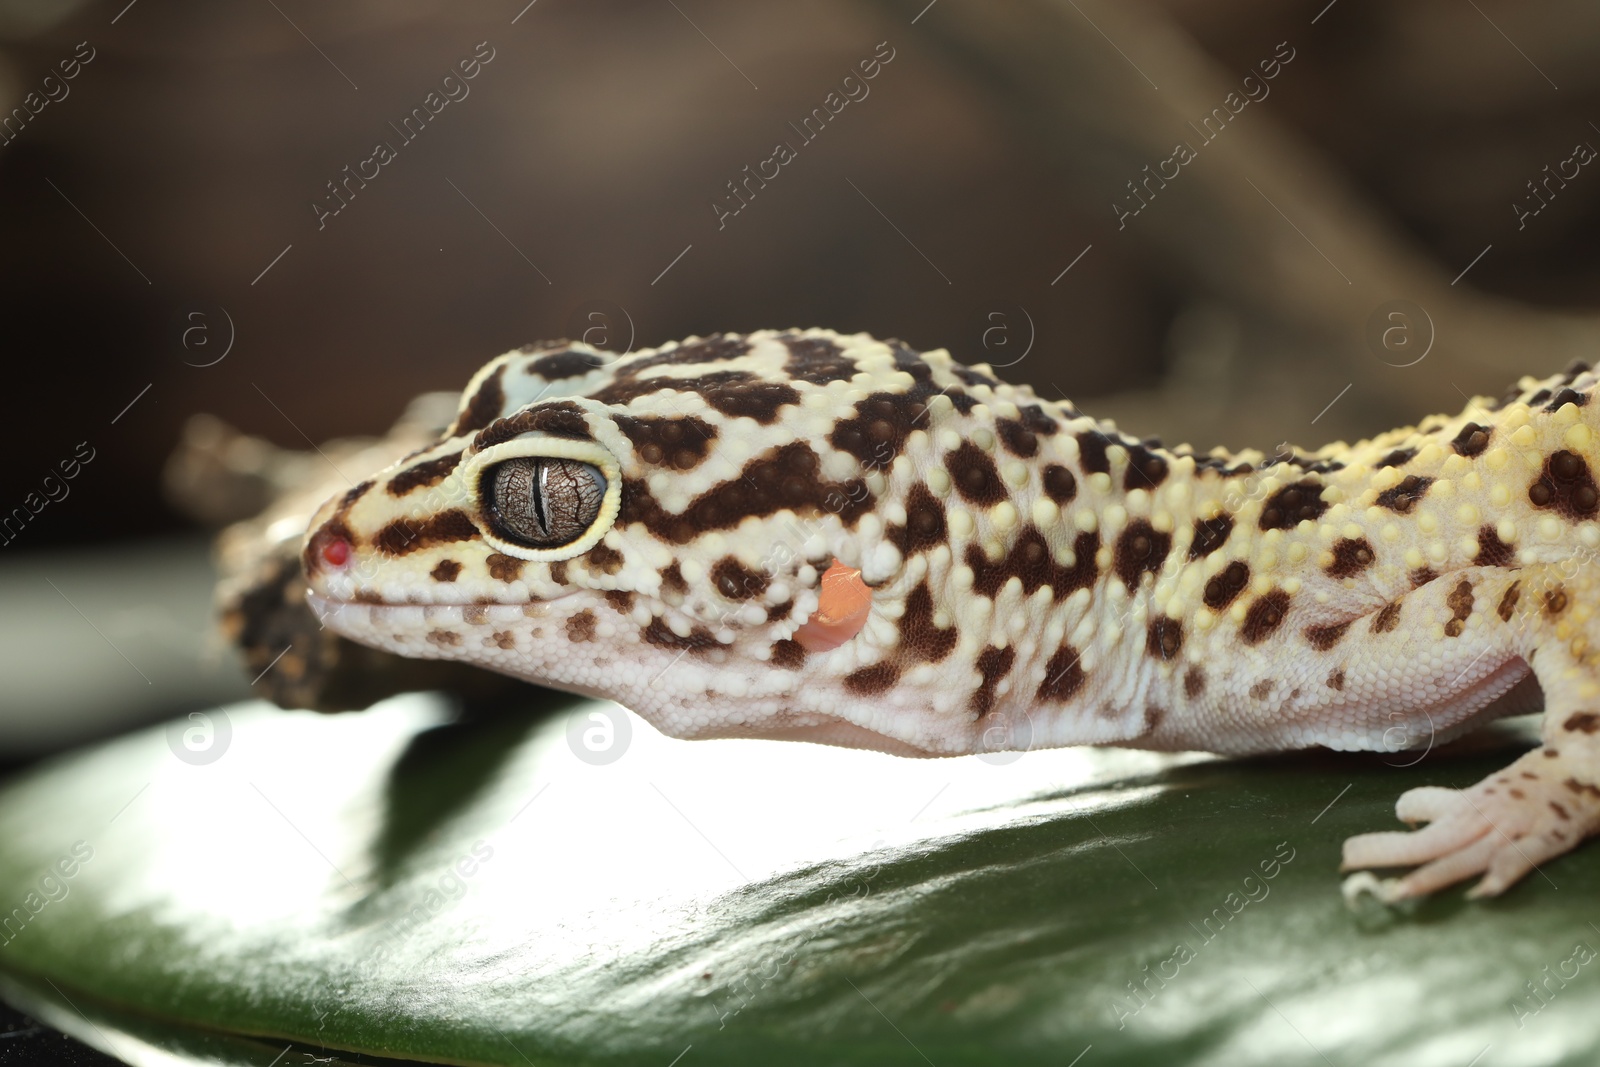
column 654, row 528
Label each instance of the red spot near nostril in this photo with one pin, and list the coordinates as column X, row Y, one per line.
column 336, row 551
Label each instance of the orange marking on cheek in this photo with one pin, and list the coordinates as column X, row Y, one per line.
column 841, row 613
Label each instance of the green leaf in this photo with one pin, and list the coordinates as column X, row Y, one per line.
column 510, row 890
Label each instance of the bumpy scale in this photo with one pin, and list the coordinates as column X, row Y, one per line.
column 1027, row 575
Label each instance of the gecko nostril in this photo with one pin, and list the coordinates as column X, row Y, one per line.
column 336, row 551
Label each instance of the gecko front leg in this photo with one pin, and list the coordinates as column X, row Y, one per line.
column 1546, row 802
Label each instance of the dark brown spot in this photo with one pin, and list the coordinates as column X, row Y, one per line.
column 1141, row 549
column 1564, row 396
column 1581, row 788
column 1210, row 535
column 1262, row 689
column 1226, row 585
column 1336, row 680
column 672, row 579
column 877, row 432
column 736, row 581
column 925, row 526
column 734, row 393
column 1561, row 813
column 445, row 571
column 428, row 472
column 699, row 639
column 621, row 601
column 1153, row 718
column 784, row 478
column 1146, row 469
column 1325, row 637
column 559, row 365
column 1164, row 638
column 504, row 639
column 1492, row 552
column 354, row 493
column 1508, row 602
column 780, row 611
column 1194, row 682
column 993, row 665
column 1555, row 602
column 444, row 638
column 603, row 559
column 1386, row 619
column 1350, row 557
column 1092, row 446
column 1517, row 794
column 556, row 418
column 1583, row 722
column 1472, row 440
column 679, row 442
column 580, row 627
column 1018, row 439
column 1063, row 675
column 817, row 360
column 974, row 377
column 1398, row 458
column 1032, row 563
column 1566, row 485
column 503, row 568
column 1264, row 616
column 1059, row 483
column 788, row 655
column 919, row 637
column 1422, row 576
column 1293, row 504
column 400, row 537
column 1460, row 604
column 558, row 572
column 717, row 349
column 485, row 405
column 974, row 475
column 1034, row 418
column 874, row 679
column 1404, row 497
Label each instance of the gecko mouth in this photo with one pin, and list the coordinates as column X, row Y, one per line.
column 345, row 616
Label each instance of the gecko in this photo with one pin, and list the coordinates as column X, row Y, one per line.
column 831, row 538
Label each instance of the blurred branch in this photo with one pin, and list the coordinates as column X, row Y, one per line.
column 1259, row 219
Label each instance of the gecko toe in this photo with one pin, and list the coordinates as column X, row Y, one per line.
column 1402, row 848
column 1428, row 803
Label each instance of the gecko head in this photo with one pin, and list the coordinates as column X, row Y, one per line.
column 648, row 556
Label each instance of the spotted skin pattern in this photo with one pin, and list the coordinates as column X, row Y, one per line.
column 1037, row 577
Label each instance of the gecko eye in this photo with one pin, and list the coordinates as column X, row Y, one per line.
column 543, row 503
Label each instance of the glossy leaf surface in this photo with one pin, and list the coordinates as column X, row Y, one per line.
column 562, row 885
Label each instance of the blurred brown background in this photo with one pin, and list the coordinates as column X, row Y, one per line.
column 160, row 207
column 1385, row 158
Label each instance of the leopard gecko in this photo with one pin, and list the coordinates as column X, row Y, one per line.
column 832, row 538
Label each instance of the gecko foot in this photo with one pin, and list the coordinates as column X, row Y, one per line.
column 1502, row 828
